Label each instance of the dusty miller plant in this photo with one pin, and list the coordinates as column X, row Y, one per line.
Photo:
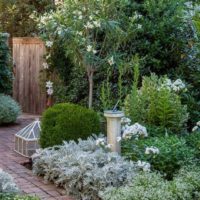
column 83, row 169
column 7, row 184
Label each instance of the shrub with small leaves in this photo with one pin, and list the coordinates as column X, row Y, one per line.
column 9, row 109
column 67, row 122
column 83, row 168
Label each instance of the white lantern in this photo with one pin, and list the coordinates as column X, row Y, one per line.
column 26, row 140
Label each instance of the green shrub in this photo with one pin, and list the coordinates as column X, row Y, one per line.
column 9, row 109
column 5, row 70
column 67, row 122
column 193, row 140
column 6, row 196
column 151, row 186
column 156, row 103
column 173, row 153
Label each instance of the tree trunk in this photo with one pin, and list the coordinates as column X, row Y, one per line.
column 91, row 85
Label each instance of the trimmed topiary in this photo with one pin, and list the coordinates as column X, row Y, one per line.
column 67, row 122
column 9, row 109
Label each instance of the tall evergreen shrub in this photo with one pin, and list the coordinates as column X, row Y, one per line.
column 5, row 67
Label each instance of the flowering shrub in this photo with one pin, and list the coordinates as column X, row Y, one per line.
column 82, row 168
column 67, row 122
column 9, row 109
column 156, row 103
column 165, row 154
column 91, row 35
column 151, row 186
column 7, row 184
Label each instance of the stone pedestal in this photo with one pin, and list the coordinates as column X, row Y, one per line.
column 114, row 129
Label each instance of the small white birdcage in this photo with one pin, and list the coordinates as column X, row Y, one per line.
column 26, row 140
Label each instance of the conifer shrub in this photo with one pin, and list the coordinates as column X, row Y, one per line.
column 9, row 109
column 67, row 122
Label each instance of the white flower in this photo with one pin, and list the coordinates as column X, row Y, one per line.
column 108, row 146
column 94, row 51
column 137, row 16
column 100, row 141
column 139, row 26
column 49, row 43
column 195, row 128
column 144, row 166
column 125, row 120
column 97, row 24
column 119, row 139
column 48, row 56
column 49, row 84
column 89, row 48
column 50, row 91
column 79, row 33
column 90, row 17
column 198, row 123
column 111, row 61
column 45, row 65
column 80, row 17
column 89, row 25
column 135, row 130
column 153, row 150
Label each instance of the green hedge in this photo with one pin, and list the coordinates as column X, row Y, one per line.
column 67, row 122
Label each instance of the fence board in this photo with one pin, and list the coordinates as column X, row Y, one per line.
column 28, row 57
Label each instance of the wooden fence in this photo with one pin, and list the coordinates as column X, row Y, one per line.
column 28, row 58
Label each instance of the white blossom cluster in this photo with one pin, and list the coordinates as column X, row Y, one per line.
column 175, row 86
column 102, row 143
column 7, row 184
column 136, row 130
column 195, row 128
column 146, row 167
column 152, row 150
column 49, row 86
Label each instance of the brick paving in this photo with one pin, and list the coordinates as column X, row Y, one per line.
column 11, row 163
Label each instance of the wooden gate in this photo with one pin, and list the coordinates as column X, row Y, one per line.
column 28, row 58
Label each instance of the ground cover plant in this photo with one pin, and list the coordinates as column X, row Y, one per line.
column 83, row 168
column 67, row 122
column 150, row 186
column 9, row 190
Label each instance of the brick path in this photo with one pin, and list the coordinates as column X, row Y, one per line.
column 10, row 162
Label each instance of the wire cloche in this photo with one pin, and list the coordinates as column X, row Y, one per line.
column 26, row 140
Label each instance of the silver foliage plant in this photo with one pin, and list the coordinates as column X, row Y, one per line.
column 83, row 168
column 7, row 184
